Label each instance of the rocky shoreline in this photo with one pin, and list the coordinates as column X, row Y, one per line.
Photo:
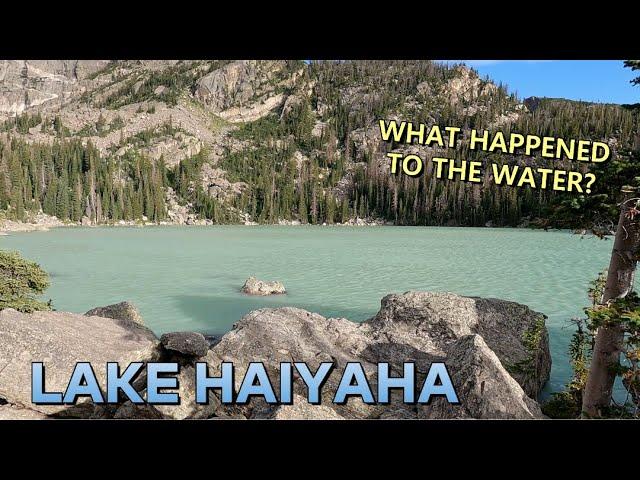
column 45, row 223
column 496, row 351
column 40, row 222
column 11, row 226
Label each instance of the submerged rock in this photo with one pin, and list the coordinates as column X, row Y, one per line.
column 119, row 311
column 253, row 286
column 187, row 343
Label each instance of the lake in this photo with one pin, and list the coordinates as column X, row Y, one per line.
column 189, row 278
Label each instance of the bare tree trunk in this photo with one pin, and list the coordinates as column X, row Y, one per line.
column 609, row 339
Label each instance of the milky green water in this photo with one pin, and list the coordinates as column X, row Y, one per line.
column 189, row 278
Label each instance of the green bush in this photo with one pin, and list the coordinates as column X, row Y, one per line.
column 20, row 282
column 562, row 405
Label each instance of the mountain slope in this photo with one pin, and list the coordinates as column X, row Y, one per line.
column 269, row 142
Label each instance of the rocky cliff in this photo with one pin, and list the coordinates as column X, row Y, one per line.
column 497, row 353
column 246, row 91
column 30, row 84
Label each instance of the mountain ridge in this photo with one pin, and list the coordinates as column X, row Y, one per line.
column 253, row 141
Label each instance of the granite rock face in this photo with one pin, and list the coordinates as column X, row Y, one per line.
column 481, row 340
column 235, row 83
column 31, row 83
column 431, row 321
column 59, row 340
column 253, row 286
column 485, row 389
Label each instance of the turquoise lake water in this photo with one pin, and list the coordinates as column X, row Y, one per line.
column 189, row 278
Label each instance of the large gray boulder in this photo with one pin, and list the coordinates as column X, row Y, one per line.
column 275, row 335
column 118, row 311
column 485, row 389
column 430, row 321
column 59, row 340
column 499, row 339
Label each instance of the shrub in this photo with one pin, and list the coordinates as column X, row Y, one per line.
column 20, row 282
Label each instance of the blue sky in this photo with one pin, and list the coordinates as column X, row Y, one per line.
column 591, row 80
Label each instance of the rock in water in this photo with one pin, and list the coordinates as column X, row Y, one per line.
column 253, row 286
column 118, row 311
column 187, row 343
column 60, row 340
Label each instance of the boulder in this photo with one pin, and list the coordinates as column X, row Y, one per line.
column 485, row 389
column 253, row 286
column 187, row 343
column 430, row 321
column 275, row 335
column 118, row 311
column 506, row 346
column 59, row 340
